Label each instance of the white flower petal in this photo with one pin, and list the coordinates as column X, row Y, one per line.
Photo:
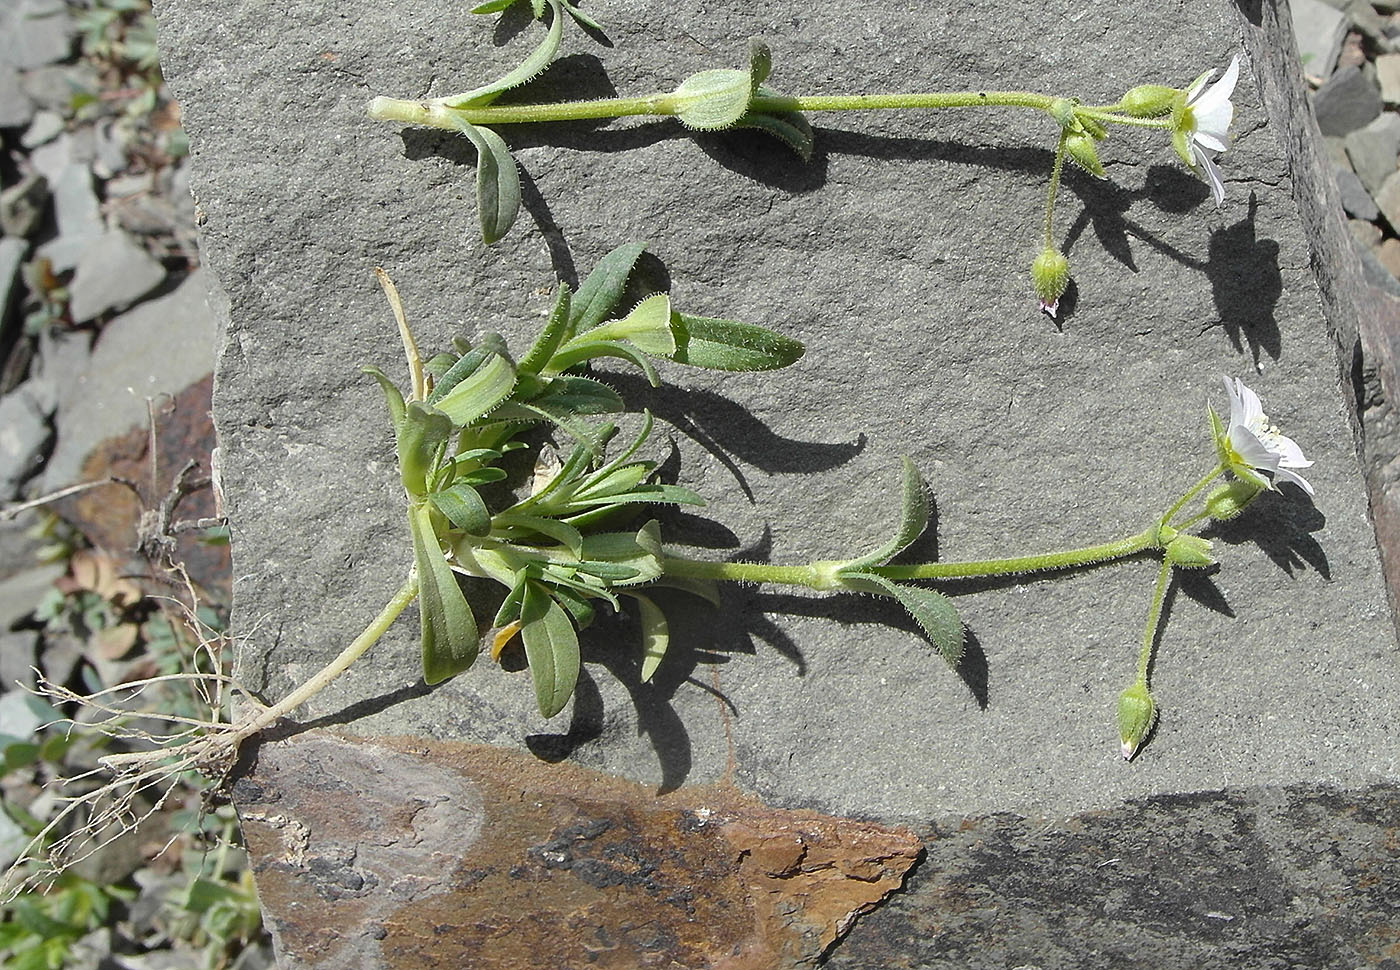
column 1284, row 475
column 1251, row 450
column 1207, row 140
column 1251, row 410
column 1206, row 167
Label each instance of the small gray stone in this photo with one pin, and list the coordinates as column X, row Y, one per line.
column 19, row 653
column 1388, row 198
column 23, row 204
column 1388, row 75
column 1366, row 233
column 16, row 107
column 1356, row 201
column 127, row 185
column 1374, row 273
column 22, row 591
column 1337, row 152
column 108, row 396
column 34, row 33
column 112, row 274
column 1319, row 29
column 69, row 148
column 111, row 141
column 1347, row 101
column 63, row 355
column 25, row 435
column 1373, row 150
column 75, row 203
column 12, row 252
column 1388, row 253
column 54, row 87
column 46, row 126
column 60, row 655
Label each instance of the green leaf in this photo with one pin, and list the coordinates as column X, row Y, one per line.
column 647, row 326
column 449, row 633
column 392, row 395
column 578, row 606
column 933, row 611
column 570, row 394
column 760, row 62
column 613, row 481
column 583, row 18
column 604, row 348
column 421, row 431
column 640, row 551
column 466, row 364
column 791, row 127
column 509, row 610
column 488, row 386
column 551, row 647
column 706, row 589
column 603, row 288
column 556, row 329
column 731, row 345
column 532, row 65
column 655, row 493
column 562, row 533
column 913, row 519
column 464, row 508
column 492, row 6
column 713, row 100
column 497, row 181
column 656, row 635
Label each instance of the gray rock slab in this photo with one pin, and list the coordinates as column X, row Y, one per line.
column 159, row 348
column 1374, row 150
column 1356, row 201
column 75, row 202
column 1388, row 198
column 1319, row 29
column 45, row 127
column 899, row 257
column 20, row 592
column 1388, row 76
column 1347, row 101
column 12, row 253
column 112, row 272
column 16, row 107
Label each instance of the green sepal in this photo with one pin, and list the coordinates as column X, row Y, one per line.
column 1230, row 499
column 392, row 395
column 933, row 611
column 551, row 648
column 1189, row 552
column 1084, row 153
column 419, row 434
column 913, row 519
column 497, row 181
column 656, row 635
column 790, row 127
column 530, row 67
column 462, row 505
column 449, row 633
column 556, row 330
column 480, row 392
column 603, row 289
column 731, row 345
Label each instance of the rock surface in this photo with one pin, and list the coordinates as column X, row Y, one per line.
column 898, row 256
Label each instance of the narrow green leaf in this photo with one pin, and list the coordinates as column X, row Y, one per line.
column 420, row 433
column 654, row 493
column 509, row 610
column 640, row 550
column 497, row 181
column 609, row 572
column 562, row 533
column 467, row 364
column 492, row 6
column 603, row 288
column 706, row 589
column 392, row 395
column 713, row 100
column 584, row 19
column 913, row 519
column 731, row 345
column 933, row 611
column 791, row 127
column 532, row 65
column 551, row 647
column 656, row 635
column 578, row 395
column 760, row 62
column 487, row 387
column 464, row 508
column 614, row 481
column 449, row 634
column 648, row 326
column 605, row 348
column 555, row 331
column 585, row 584
column 578, row 606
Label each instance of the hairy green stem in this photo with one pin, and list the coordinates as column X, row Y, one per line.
column 1054, row 188
column 1154, row 619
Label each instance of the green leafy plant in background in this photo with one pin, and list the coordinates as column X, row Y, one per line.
column 1196, row 119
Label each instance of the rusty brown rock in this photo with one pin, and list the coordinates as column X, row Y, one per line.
column 405, row 854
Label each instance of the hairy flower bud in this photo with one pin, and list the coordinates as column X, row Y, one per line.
column 1082, row 150
column 1231, row 499
column 1050, row 273
column 1148, row 101
column 1189, row 552
column 1137, row 712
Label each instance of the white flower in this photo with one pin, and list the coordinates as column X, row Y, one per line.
column 1201, row 123
column 1251, row 445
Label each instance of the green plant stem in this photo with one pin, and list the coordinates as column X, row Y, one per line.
column 1154, row 618
column 1192, row 492
column 438, row 112
column 822, row 575
column 1054, row 188
column 367, row 638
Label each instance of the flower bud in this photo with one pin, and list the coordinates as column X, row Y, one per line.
column 1136, row 714
column 1148, row 101
column 1081, row 149
column 1050, row 273
column 1062, row 110
column 1189, row 552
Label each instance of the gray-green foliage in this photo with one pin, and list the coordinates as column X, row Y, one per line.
column 567, row 545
